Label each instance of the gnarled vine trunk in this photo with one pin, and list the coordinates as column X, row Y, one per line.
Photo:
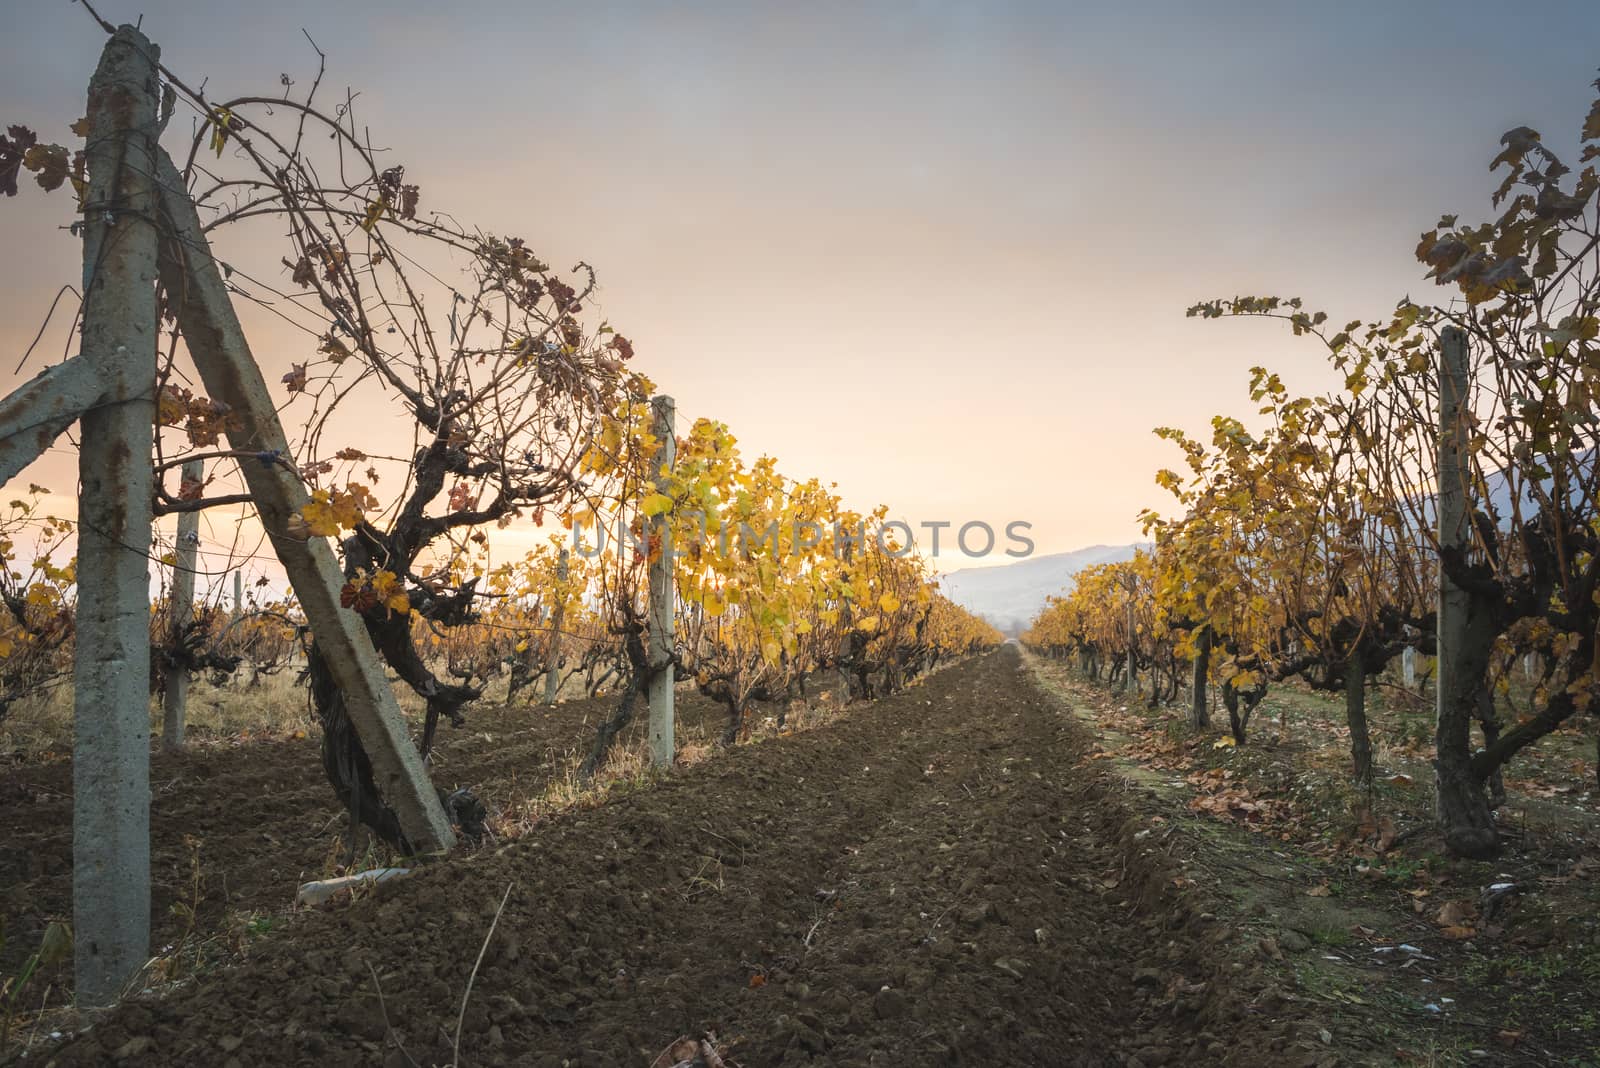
column 638, row 678
column 1199, row 709
column 1355, row 715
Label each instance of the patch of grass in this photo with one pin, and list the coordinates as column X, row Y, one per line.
column 1522, row 984
column 39, row 729
column 1403, row 871
column 1329, row 935
column 257, row 925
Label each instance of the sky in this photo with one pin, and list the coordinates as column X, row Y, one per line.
column 938, row 253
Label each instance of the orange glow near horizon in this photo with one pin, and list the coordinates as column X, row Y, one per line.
column 937, row 254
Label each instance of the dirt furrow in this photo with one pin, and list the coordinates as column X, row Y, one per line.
column 934, row 879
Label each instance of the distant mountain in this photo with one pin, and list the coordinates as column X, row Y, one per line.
column 1010, row 596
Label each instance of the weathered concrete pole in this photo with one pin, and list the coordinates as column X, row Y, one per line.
column 663, row 736
column 111, row 671
column 1462, row 808
column 552, row 656
column 222, row 355
column 181, row 610
column 37, row 412
column 238, row 594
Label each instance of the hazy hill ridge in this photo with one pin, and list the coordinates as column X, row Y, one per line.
column 1009, row 596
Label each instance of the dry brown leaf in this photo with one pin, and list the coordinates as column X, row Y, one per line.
column 687, row 1051
column 682, row 1049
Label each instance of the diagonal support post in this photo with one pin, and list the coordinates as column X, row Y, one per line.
column 217, row 344
column 37, row 412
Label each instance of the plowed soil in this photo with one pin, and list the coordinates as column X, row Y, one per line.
column 263, row 817
column 937, row 878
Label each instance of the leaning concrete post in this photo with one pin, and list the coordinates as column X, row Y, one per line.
column 111, row 715
column 552, row 656
column 238, row 594
column 663, row 739
column 37, row 412
column 222, row 355
column 181, row 610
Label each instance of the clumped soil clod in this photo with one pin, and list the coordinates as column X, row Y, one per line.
column 938, row 878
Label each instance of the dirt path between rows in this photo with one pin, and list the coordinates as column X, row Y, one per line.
column 938, row 878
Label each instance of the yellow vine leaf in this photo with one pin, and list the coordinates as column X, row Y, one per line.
column 374, row 213
column 221, row 122
column 391, row 591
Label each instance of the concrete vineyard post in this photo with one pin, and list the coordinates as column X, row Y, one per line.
column 1452, row 519
column 1462, row 809
column 181, row 610
column 111, row 714
column 663, row 738
column 1408, row 666
column 222, row 356
column 238, row 594
column 552, row 659
column 40, row 410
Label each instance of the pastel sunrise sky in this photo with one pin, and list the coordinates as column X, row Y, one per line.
column 939, row 253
